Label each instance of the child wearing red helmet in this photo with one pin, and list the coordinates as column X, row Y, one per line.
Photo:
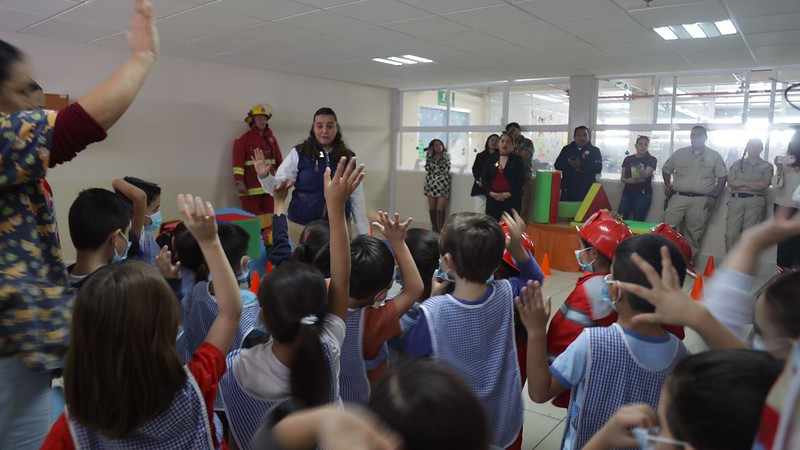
column 584, row 307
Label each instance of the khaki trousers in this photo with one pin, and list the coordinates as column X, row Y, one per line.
column 743, row 213
column 689, row 216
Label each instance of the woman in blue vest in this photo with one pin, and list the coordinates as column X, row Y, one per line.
column 306, row 166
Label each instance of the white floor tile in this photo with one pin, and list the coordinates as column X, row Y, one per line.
column 536, row 428
column 544, row 409
column 553, row 440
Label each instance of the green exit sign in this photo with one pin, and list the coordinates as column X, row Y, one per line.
column 442, row 98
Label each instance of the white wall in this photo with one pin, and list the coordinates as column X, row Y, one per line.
column 180, row 130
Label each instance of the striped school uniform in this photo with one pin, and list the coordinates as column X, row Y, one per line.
column 353, row 382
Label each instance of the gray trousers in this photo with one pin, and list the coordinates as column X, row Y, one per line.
column 689, row 216
column 743, row 213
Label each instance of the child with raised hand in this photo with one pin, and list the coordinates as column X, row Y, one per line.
column 606, row 367
column 472, row 330
column 711, row 401
column 124, row 394
column 370, row 321
column 151, row 219
column 302, row 360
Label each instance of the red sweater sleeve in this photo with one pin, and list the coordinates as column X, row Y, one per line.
column 59, row 436
column 208, row 366
column 74, row 130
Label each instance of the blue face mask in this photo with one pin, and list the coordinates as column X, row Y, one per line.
column 441, row 274
column 244, row 277
column 155, row 222
column 585, row 267
column 648, row 441
column 605, row 292
column 119, row 258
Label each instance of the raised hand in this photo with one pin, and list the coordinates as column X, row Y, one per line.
column 164, row 263
column 344, row 181
column 199, row 217
column 534, row 312
column 260, row 164
column 516, row 226
column 393, row 230
column 617, row 430
column 673, row 305
column 143, row 37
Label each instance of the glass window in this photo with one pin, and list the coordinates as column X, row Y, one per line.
column 710, row 98
column 625, row 101
column 616, row 145
column 412, row 149
column 759, row 99
column 546, row 146
column 414, row 101
column 784, row 112
column 541, row 104
column 779, row 142
column 665, row 100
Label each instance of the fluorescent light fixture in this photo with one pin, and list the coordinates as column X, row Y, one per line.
column 387, row 61
column 666, row 33
column 402, row 60
column 546, row 98
column 725, row 27
column 418, row 58
column 694, row 30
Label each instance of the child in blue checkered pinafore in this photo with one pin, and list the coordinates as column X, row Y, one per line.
column 606, row 367
column 472, row 330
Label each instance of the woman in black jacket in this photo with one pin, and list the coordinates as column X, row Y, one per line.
column 489, row 148
column 503, row 178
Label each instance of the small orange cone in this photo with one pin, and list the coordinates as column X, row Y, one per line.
column 269, row 266
column 371, row 233
column 255, row 282
column 586, row 272
column 546, row 265
column 697, row 290
column 709, row 267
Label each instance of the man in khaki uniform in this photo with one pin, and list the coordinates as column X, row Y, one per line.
column 749, row 179
column 699, row 178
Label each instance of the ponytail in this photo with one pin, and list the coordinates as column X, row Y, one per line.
column 310, row 377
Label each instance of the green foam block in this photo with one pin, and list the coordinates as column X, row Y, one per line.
column 541, row 205
column 567, row 210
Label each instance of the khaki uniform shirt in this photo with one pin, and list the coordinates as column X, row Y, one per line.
column 695, row 173
column 744, row 171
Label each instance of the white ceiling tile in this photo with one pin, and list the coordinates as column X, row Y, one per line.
column 492, row 17
column 601, row 65
column 790, row 52
column 267, row 10
column 447, row 6
column 629, row 5
column 194, row 49
column 426, row 26
column 379, row 11
column 120, row 40
column 644, row 61
column 255, row 36
column 323, row 3
column 640, row 49
column 776, row 38
column 559, row 44
column 372, row 35
column 628, row 37
column 767, row 24
column 476, row 42
column 651, row 17
column 73, row 31
column 108, row 13
column 163, row 8
column 40, row 7
column 748, row 8
column 565, row 9
column 732, row 42
column 527, row 35
column 322, row 21
column 203, row 21
column 13, row 20
column 617, row 21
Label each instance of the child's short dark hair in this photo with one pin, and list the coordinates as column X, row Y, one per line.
column 715, row 398
column 648, row 246
column 781, row 296
column 151, row 190
column 95, row 214
column 431, row 407
column 424, row 247
column 476, row 243
column 371, row 267
column 234, row 241
column 315, row 237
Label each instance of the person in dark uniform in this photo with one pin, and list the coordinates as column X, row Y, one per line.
column 579, row 162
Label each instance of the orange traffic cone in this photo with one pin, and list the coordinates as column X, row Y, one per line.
column 709, row 267
column 546, row 265
column 255, row 282
column 269, row 266
column 697, row 290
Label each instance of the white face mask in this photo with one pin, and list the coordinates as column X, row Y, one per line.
column 648, row 441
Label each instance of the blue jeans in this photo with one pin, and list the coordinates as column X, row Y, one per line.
column 26, row 405
column 635, row 206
